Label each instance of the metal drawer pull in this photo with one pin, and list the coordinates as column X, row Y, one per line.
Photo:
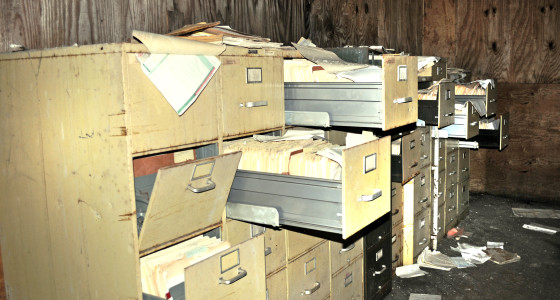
column 505, row 136
column 254, row 104
column 423, row 241
column 347, row 248
column 448, row 115
column 267, row 251
column 367, row 198
column 465, row 170
column 474, row 123
column 383, row 268
column 414, row 164
column 312, row 290
column 396, row 212
column 423, row 200
column 211, row 185
column 240, row 274
column 396, row 258
column 492, row 100
column 402, row 100
column 452, row 173
column 424, row 156
column 451, row 208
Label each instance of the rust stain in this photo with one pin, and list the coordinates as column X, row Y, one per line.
column 129, row 214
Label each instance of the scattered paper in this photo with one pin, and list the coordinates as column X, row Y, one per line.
column 435, row 260
column 536, row 213
column 410, row 271
column 354, row 139
column 292, row 135
column 414, row 296
column 369, row 74
column 461, row 263
column 495, row 245
column 426, row 60
column 472, row 254
column 501, row 256
column 541, row 228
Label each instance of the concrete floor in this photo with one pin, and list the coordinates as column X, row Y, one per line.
column 536, row 276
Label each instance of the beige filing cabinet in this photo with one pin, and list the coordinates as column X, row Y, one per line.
column 416, row 225
column 397, row 224
column 73, row 121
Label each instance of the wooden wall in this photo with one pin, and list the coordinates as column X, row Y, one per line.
column 516, row 43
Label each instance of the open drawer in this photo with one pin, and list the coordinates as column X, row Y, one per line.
column 436, row 104
column 485, row 97
column 466, row 123
column 198, row 186
column 431, row 68
column 339, row 206
column 387, row 104
column 494, row 134
column 405, row 157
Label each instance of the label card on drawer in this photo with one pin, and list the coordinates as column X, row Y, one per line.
column 379, row 255
column 311, row 265
column 229, row 261
column 254, row 75
column 402, row 73
column 348, row 279
column 370, row 163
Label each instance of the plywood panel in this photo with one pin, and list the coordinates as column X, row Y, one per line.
column 2, row 289
column 529, row 167
column 400, row 25
column 439, row 29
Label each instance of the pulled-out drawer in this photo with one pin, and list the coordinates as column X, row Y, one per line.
column 309, row 276
column 396, row 203
column 425, row 147
column 451, row 164
column 342, row 254
column 433, row 70
column 436, row 105
column 397, row 247
column 464, row 164
column 180, row 189
column 377, row 267
column 342, row 207
column 347, row 284
column 252, row 98
column 387, row 104
column 497, row 137
column 277, row 286
column 466, row 123
column 488, row 100
column 235, row 273
column 405, row 157
column 463, row 197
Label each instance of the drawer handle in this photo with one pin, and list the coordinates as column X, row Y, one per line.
column 347, row 248
column 423, row 241
column 492, row 100
column 254, row 104
column 451, row 208
column 465, row 170
column 312, row 290
column 424, row 156
column 396, row 258
column 505, row 136
column 402, row 100
column 240, row 274
column 394, row 239
column 384, row 267
column 423, row 200
column 449, row 115
column 474, row 123
column 367, row 198
column 211, row 185
column 414, row 164
column 396, row 212
column 452, row 173
column 267, row 251
column 439, row 194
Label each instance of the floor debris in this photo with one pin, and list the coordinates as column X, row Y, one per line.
column 410, row 271
column 536, row 213
column 472, row 254
column 501, row 256
column 541, row 228
column 414, row 296
column 435, row 260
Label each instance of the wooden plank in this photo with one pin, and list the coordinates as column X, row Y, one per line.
column 2, row 289
column 529, row 166
column 546, row 24
column 439, row 34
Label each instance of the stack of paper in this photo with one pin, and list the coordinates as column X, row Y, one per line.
column 472, row 254
column 435, row 260
column 410, row 271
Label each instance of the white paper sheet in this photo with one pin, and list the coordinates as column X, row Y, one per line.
column 410, row 271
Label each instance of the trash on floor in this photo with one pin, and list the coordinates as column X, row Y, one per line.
column 458, row 233
column 541, row 228
column 461, row 263
column 495, row 245
column 410, row 271
column 501, row 256
column 414, row 296
column 435, row 260
column 472, row 254
column 536, row 213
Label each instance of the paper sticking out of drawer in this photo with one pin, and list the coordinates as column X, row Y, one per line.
column 201, row 187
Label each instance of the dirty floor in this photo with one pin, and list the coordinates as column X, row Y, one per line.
column 535, row 276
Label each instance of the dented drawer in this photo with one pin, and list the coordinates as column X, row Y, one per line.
column 436, row 105
column 396, row 203
column 463, row 197
column 338, row 206
column 275, row 249
column 253, row 97
column 397, row 247
column 405, row 157
column 495, row 138
column 277, row 286
column 235, row 273
column 342, row 253
column 347, row 283
column 425, row 147
column 309, row 276
column 464, row 164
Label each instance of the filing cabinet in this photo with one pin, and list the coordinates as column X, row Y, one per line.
column 309, row 276
column 432, row 71
column 450, row 208
column 347, row 284
column 425, row 146
column 440, row 221
column 416, row 226
column 397, row 246
column 463, row 167
column 442, row 154
column 436, row 105
column 463, row 199
column 496, row 137
column 466, row 92
column 277, row 285
column 466, row 123
column 405, row 157
column 378, row 259
column 396, row 203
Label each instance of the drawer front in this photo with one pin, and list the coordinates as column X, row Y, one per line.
column 451, row 173
column 309, row 276
column 277, row 286
column 377, row 231
column 491, row 103
column 464, row 164
column 154, row 125
column 347, row 284
column 341, row 254
column 504, row 131
column 451, row 207
column 396, row 203
column 252, row 94
column 473, row 118
column 236, row 273
column 410, row 151
column 275, row 249
column 366, row 184
column 422, row 195
column 201, row 186
column 377, row 267
column 463, row 196
column 298, row 242
column 236, row 232
column 440, row 220
column 425, row 147
column 446, row 104
column 400, row 90
column 442, row 154
column 397, row 247
column 422, row 226
column 441, row 189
